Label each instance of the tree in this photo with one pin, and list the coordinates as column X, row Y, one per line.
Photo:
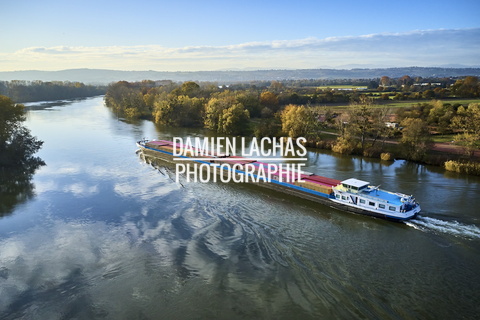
column 468, row 87
column 467, row 121
column 266, row 113
column 17, row 146
column 359, row 123
column 416, row 139
column 344, row 144
column 276, row 86
column 428, row 94
column 299, row 121
column 179, row 111
column 385, row 81
column 269, row 99
column 406, row 81
column 126, row 100
column 213, row 112
column 149, row 99
column 234, row 120
column 440, row 116
column 359, row 119
column 268, row 127
column 363, row 121
column 469, row 141
column 373, row 84
column 134, row 106
column 25, row 91
column 251, row 102
column 190, row 89
column 379, row 129
column 225, row 114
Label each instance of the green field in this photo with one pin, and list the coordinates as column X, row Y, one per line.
column 409, row 103
column 443, row 138
column 402, row 104
column 343, row 86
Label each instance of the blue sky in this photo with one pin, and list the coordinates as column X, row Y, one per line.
column 184, row 35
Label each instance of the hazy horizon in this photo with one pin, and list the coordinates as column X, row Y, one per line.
column 250, row 69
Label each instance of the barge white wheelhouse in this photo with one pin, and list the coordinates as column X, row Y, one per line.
column 360, row 194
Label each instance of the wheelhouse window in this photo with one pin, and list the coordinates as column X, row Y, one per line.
column 371, row 203
column 381, row 206
column 347, row 186
column 344, row 198
column 392, row 208
column 337, row 196
column 362, row 201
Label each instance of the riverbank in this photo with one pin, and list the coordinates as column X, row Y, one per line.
column 449, row 156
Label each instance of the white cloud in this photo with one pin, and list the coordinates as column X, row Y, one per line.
column 419, row 47
column 44, row 258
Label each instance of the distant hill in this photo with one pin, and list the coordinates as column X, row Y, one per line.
column 102, row 76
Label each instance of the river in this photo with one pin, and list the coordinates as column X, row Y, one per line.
column 102, row 234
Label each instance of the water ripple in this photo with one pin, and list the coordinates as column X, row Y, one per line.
column 454, row 228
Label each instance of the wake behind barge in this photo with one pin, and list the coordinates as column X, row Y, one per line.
column 351, row 195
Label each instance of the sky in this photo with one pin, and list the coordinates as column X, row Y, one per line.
column 193, row 35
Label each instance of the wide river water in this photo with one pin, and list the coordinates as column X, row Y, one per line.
column 102, row 234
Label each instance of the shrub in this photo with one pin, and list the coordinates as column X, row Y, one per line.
column 463, row 167
column 343, row 145
column 386, row 156
column 371, row 152
column 320, row 144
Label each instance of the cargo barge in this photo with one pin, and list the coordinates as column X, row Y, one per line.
column 351, row 195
